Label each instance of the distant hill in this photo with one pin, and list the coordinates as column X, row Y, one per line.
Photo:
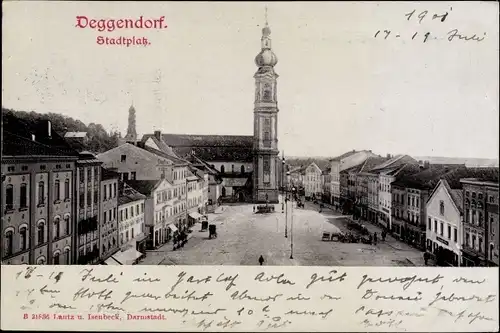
column 469, row 162
column 99, row 140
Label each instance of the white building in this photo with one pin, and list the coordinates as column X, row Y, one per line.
column 444, row 220
column 343, row 162
column 131, row 205
column 312, row 181
column 195, row 202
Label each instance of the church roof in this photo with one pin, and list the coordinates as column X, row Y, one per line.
column 210, row 147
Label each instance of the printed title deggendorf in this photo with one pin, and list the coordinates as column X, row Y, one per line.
column 108, row 24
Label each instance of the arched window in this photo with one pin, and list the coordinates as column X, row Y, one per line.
column 66, row 189
column 23, row 196
column 23, row 232
column 242, row 169
column 40, row 260
column 232, row 168
column 56, row 258
column 41, row 232
column 9, row 197
column 9, row 237
column 222, row 169
column 57, row 190
column 57, row 228
column 67, row 256
column 66, row 224
column 41, row 193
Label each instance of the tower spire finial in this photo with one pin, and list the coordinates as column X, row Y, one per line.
column 266, row 16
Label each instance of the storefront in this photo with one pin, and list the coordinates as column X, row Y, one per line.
column 194, row 217
column 127, row 256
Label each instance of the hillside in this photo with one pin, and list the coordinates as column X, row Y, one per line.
column 99, row 140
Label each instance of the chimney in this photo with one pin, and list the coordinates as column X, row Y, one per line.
column 49, row 129
column 388, row 155
column 426, row 164
column 158, row 135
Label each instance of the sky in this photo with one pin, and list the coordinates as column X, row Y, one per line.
column 339, row 87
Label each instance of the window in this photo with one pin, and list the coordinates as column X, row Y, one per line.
column 480, row 196
column 492, row 199
column 89, row 197
column 121, row 215
column 105, row 193
column 441, row 228
column 222, row 169
column 57, row 228
column 82, row 200
column 66, row 256
column 429, row 223
column 418, row 202
column 95, row 197
column 449, row 232
column 56, row 258
column 408, row 201
column 242, row 169
column 125, row 176
column 232, row 168
column 467, row 193
column 137, row 209
column 82, row 176
column 467, row 239
column 9, row 236
column 66, row 223
column 441, row 207
column 473, row 241
column 41, row 232
column 124, row 158
column 23, row 232
column 57, row 190
column 480, row 244
column 66, row 189
column 23, row 196
column 435, row 226
column 9, row 197
column 114, row 190
column 104, row 216
column 41, row 193
column 89, row 174
column 455, row 234
column 132, row 210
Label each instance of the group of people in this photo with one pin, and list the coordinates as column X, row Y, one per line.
column 374, row 239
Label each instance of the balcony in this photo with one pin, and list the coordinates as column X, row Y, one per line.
column 88, row 225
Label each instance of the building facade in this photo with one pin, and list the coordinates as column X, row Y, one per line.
column 109, row 243
column 37, row 210
column 444, row 224
column 131, row 230
column 312, row 182
column 88, row 186
column 480, row 215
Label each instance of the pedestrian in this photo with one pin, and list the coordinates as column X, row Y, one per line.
column 375, row 238
column 426, row 257
column 383, row 235
column 254, row 209
column 261, row 260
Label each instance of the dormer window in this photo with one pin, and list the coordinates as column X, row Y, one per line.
column 441, row 207
column 124, row 158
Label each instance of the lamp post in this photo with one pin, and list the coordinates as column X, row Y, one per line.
column 291, row 226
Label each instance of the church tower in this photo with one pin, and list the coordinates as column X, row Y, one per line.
column 131, row 136
column 265, row 143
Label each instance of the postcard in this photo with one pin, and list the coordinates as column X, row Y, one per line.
column 280, row 166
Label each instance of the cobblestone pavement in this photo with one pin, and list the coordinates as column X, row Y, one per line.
column 243, row 236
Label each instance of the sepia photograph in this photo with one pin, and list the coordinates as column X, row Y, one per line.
column 250, row 134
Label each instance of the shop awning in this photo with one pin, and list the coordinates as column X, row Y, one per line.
column 195, row 215
column 111, row 261
column 127, row 257
column 172, row 227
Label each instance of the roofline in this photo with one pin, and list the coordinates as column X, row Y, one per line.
column 434, row 191
column 476, row 181
column 37, row 157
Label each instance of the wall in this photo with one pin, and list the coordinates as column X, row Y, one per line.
column 109, row 243
column 450, row 217
column 130, row 224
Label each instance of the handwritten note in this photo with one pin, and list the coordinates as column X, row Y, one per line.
column 215, row 298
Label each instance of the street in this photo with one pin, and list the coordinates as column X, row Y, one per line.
column 243, row 236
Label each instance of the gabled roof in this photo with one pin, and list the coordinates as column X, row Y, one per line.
column 344, row 155
column 372, row 163
column 314, row 165
column 199, row 163
column 173, row 158
column 159, row 143
column 429, row 177
column 128, row 194
column 145, row 187
column 210, row 147
column 389, row 161
column 455, row 194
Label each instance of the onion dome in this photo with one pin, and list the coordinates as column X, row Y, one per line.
column 266, row 57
